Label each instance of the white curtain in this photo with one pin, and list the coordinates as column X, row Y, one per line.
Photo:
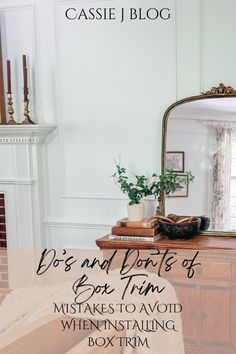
column 222, row 135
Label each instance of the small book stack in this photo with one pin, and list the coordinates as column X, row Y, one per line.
column 146, row 230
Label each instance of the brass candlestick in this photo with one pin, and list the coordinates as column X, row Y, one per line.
column 27, row 119
column 10, row 111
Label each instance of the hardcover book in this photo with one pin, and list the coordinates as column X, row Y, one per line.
column 136, row 238
column 134, row 231
column 145, row 223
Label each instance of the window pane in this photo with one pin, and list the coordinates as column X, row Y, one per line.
column 233, row 224
column 233, row 165
column 233, row 206
column 233, row 188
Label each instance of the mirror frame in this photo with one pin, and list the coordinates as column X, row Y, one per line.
column 221, row 91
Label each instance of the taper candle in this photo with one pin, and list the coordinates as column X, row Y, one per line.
column 24, row 61
column 25, row 78
column 25, row 85
column 9, row 77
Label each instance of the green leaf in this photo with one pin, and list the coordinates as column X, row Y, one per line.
column 141, row 188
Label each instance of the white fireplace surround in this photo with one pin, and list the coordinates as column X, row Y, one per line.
column 25, row 134
column 21, row 181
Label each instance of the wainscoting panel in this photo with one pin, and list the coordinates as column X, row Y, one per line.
column 189, row 42
column 18, row 28
column 219, row 43
column 111, row 78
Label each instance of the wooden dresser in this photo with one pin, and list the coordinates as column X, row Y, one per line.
column 208, row 299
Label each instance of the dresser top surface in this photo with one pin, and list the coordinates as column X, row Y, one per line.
column 199, row 242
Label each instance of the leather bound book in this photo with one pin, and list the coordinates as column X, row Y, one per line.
column 133, row 231
column 145, row 223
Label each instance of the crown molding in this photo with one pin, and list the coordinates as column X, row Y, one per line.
column 25, row 134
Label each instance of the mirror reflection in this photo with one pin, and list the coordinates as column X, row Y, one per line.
column 201, row 138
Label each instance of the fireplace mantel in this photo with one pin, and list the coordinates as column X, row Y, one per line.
column 25, row 134
column 22, row 182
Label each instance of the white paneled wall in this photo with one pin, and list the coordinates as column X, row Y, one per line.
column 18, row 37
column 106, row 85
column 219, row 41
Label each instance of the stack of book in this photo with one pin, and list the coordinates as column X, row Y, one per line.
column 146, row 230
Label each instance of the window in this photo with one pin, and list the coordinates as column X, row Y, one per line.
column 233, row 188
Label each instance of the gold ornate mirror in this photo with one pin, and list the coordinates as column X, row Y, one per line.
column 199, row 135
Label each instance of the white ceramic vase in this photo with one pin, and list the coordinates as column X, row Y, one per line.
column 135, row 211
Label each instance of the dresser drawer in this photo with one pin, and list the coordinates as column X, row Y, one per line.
column 208, row 270
column 215, row 270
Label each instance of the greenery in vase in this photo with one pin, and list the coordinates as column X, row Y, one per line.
column 143, row 186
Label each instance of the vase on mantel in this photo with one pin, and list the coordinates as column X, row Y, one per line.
column 136, row 211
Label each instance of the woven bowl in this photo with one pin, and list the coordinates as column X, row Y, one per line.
column 180, row 231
